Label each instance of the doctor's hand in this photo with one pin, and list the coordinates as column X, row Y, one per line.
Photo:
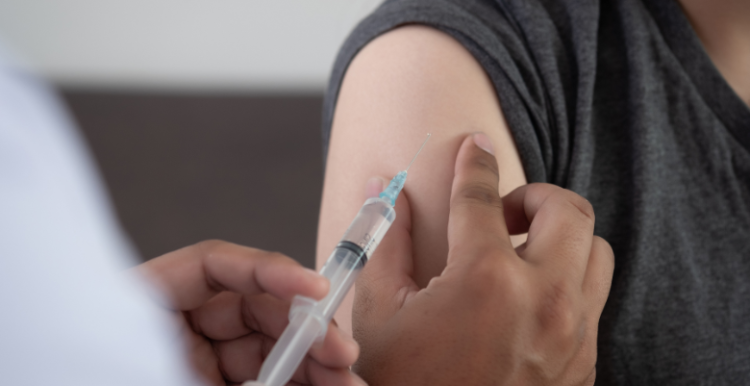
column 497, row 315
column 234, row 301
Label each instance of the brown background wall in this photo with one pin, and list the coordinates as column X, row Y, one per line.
column 183, row 168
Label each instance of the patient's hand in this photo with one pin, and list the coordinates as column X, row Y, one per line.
column 234, row 303
column 497, row 315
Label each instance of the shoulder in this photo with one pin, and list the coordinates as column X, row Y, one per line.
column 413, row 80
column 416, row 56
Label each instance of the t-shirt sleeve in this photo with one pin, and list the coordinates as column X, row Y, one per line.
column 533, row 52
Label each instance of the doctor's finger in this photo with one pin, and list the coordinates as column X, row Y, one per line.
column 192, row 275
column 241, row 359
column 230, row 315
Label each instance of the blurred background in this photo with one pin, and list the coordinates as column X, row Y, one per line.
column 204, row 116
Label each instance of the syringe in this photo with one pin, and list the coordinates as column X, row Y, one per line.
column 308, row 319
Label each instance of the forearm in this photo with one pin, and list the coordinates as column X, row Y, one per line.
column 409, row 82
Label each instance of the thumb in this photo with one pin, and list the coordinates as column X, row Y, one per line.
column 386, row 280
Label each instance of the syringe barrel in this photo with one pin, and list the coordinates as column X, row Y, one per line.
column 293, row 345
column 309, row 319
column 353, row 251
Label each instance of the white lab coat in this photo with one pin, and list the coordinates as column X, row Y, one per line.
column 67, row 314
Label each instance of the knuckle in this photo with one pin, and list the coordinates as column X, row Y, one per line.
column 486, row 163
column 581, row 204
column 537, row 191
column 494, row 276
column 605, row 248
column 484, row 278
column 480, row 194
column 591, row 379
column 273, row 255
column 580, row 209
column 210, row 245
column 584, row 362
column 210, row 251
column 603, row 255
column 558, row 313
column 588, row 355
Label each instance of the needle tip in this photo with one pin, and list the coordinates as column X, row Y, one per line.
column 420, row 150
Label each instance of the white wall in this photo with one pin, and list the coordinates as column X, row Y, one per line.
column 198, row 45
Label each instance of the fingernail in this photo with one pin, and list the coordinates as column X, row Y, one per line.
column 319, row 281
column 346, row 337
column 313, row 274
column 374, row 187
column 484, row 143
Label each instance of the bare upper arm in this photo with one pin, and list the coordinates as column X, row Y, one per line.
column 402, row 85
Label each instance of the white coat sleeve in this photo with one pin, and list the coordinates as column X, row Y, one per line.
column 67, row 314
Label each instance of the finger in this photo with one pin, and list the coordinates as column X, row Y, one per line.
column 598, row 278
column 476, row 221
column 595, row 290
column 241, row 359
column 386, row 280
column 514, row 212
column 230, row 315
column 192, row 275
column 320, row 375
column 338, row 349
column 202, row 357
column 560, row 227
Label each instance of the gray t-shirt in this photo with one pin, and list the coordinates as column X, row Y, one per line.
column 618, row 101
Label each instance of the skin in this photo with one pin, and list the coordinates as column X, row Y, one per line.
column 723, row 27
column 514, row 288
column 233, row 301
column 414, row 80
column 402, row 85
column 497, row 314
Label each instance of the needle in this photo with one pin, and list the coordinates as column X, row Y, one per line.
column 419, row 151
